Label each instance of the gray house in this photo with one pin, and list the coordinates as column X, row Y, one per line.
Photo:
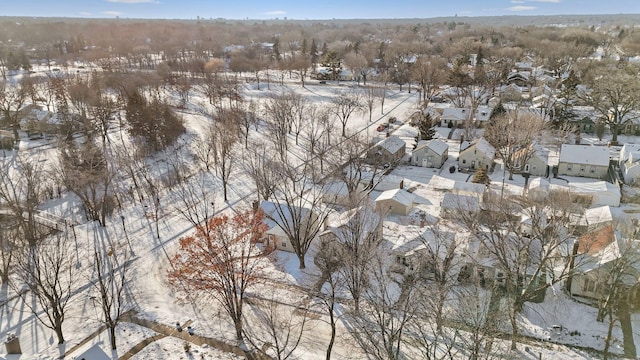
column 432, row 153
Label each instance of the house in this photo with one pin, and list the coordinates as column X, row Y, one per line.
column 630, row 163
column 483, row 267
column 454, row 116
column 337, row 193
column 356, row 225
column 532, row 161
column 390, row 150
column 584, row 160
column 594, row 218
column 281, row 218
column 427, row 253
column 432, row 153
column 592, row 250
column 396, row 202
column 479, row 154
column 483, row 114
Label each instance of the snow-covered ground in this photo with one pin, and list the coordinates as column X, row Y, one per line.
column 155, row 301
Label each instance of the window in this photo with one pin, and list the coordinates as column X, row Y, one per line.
column 569, row 167
column 592, row 170
column 526, row 168
column 464, row 161
column 589, row 285
column 284, row 244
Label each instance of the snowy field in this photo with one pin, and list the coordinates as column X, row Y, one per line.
column 155, row 302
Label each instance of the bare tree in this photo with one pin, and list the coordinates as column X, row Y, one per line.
column 279, row 112
column 222, row 264
column 85, row 170
column 370, row 95
column 276, row 328
column 513, row 135
column 388, row 307
column 529, row 259
column 49, row 270
column 329, row 261
column 358, row 65
column 12, row 100
column 611, row 94
column 262, row 166
column 224, row 135
column 9, row 243
column 429, row 72
column 22, row 186
column 298, row 210
column 111, row 269
column 344, row 105
column 359, row 240
column 196, row 200
column 303, row 111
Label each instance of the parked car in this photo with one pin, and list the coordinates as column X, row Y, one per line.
column 382, row 127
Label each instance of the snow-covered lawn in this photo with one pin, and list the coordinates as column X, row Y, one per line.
column 153, row 298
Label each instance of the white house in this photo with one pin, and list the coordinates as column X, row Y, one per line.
column 532, row 161
column 454, row 116
column 277, row 216
column 584, row 160
column 396, row 202
column 630, row 163
column 432, row 153
column 479, row 154
column 483, row 114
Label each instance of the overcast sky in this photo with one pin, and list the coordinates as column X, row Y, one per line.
column 303, row 9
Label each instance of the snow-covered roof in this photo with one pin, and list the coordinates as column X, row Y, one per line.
column 398, row 195
column 344, row 224
column 627, row 150
column 483, row 146
column 455, row 114
column 274, row 217
column 593, row 187
column 598, row 215
column 453, row 201
column 93, row 353
column 441, row 183
column 392, row 144
column 483, row 113
column 585, row 154
column 435, row 145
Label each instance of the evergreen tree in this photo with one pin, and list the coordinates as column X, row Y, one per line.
column 481, row 177
column 276, row 49
column 497, row 111
column 425, row 130
column 313, row 52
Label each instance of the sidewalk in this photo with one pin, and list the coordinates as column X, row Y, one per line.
column 166, row 330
